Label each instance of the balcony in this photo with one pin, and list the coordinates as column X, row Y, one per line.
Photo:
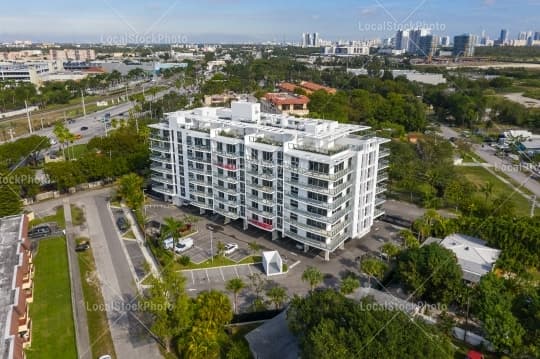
column 228, row 154
column 196, row 192
column 226, row 189
column 226, row 177
column 161, row 169
column 377, row 213
column 162, row 149
column 200, row 183
column 227, row 202
column 267, row 176
column 324, row 175
column 199, row 148
column 261, row 225
column 322, row 190
column 383, row 165
column 305, row 213
column 261, row 200
column 163, row 189
column 226, row 213
column 334, row 243
column 385, row 152
column 227, row 166
column 269, row 215
column 202, row 205
column 162, row 180
column 379, row 201
column 382, row 177
column 201, row 171
column 162, row 159
column 261, row 188
column 323, row 232
column 380, row 189
column 157, row 138
column 322, row 151
column 199, row 159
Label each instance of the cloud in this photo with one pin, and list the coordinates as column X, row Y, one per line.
column 366, row 11
column 488, row 2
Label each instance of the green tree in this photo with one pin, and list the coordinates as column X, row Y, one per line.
column 431, row 272
column 313, row 277
column 220, row 248
column 171, row 228
column 390, row 249
column 349, row 284
column 254, row 247
column 277, row 296
column 235, row 286
column 373, row 268
column 130, row 188
column 10, row 201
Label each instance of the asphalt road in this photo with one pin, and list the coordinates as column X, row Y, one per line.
column 487, row 153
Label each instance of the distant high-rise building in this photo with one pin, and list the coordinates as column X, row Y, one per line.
column 464, row 45
column 306, row 39
column 537, row 36
column 315, row 39
column 522, row 35
column 402, row 40
column 445, row 40
column 428, row 45
column 503, row 38
column 414, row 39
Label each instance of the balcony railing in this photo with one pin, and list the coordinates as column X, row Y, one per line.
column 161, row 169
column 159, row 139
column 227, row 202
column 380, row 189
column 262, row 225
column 328, row 205
column 382, row 177
column 199, row 148
column 226, row 213
column 268, row 176
column 323, row 175
column 261, row 200
column 261, row 188
column 384, row 153
column 334, row 243
column 162, row 180
column 196, row 192
column 377, row 213
column 225, row 177
column 379, row 201
column 163, row 149
column 321, row 150
column 228, row 154
column 383, row 165
column 323, row 190
column 200, row 183
column 161, row 159
column 327, row 219
column 199, row 159
column 323, row 232
column 269, row 215
column 226, row 189
column 164, row 190
column 202, row 171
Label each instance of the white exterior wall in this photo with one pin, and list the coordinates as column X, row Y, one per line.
column 349, row 216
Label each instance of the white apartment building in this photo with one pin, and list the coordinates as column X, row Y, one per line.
column 317, row 182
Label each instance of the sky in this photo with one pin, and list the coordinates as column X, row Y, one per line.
column 174, row 21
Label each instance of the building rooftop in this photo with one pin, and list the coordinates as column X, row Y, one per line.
column 273, row 340
column 475, row 258
column 283, row 98
column 11, row 229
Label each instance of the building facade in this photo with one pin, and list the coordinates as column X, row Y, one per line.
column 16, row 287
column 317, row 182
column 464, row 45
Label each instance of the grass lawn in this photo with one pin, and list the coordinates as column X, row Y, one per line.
column 53, row 332
column 129, row 234
column 98, row 326
column 479, row 176
column 76, row 151
column 58, row 218
column 77, row 215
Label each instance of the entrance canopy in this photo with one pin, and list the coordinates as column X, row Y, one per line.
column 272, row 263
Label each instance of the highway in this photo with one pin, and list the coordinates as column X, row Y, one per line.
column 487, row 153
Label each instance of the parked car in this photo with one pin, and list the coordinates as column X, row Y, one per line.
column 83, row 246
column 168, row 243
column 105, row 357
column 40, row 231
column 230, row 248
column 84, row 128
column 122, row 224
column 183, row 245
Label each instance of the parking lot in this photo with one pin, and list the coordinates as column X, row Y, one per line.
column 201, row 278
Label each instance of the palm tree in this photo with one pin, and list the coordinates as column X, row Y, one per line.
column 220, row 248
column 62, row 134
column 254, row 247
column 312, row 276
column 390, row 249
column 349, row 284
column 278, row 295
column 235, row 286
column 373, row 268
column 171, row 228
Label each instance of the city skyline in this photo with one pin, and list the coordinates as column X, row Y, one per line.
column 242, row 21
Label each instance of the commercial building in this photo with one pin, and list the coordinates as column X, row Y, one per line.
column 31, row 71
column 402, row 40
column 72, row 54
column 464, row 45
column 345, row 50
column 414, row 40
column 285, row 103
column 503, row 38
column 16, row 287
column 428, row 45
column 315, row 181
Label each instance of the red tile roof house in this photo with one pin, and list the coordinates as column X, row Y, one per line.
column 285, row 103
column 16, row 287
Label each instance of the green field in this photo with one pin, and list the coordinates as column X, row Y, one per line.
column 53, row 330
column 58, row 218
column 479, row 176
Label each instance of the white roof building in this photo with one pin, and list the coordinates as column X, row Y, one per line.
column 475, row 258
column 272, row 263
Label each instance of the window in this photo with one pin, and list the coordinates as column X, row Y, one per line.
column 254, row 205
column 221, row 183
column 317, row 224
column 254, row 217
column 293, row 229
column 293, row 217
column 200, row 178
column 267, row 221
column 294, row 204
column 267, row 156
column 339, row 167
column 315, row 237
column 317, row 210
column 231, row 148
column 254, row 154
column 268, row 196
column 254, row 180
column 295, row 162
column 268, row 171
column 268, row 209
column 317, row 182
column 267, row 183
column 220, row 146
column 319, row 167
column 294, row 190
column 198, row 142
column 232, row 198
column 294, row 177
column 254, row 193
column 255, row 168
column 317, row 197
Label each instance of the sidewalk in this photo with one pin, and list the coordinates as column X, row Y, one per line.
column 77, row 298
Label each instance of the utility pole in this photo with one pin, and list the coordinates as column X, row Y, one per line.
column 83, row 105
column 11, row 133
column 533, row 204
column 28, row 117
column 212, row 245
column 42, row 123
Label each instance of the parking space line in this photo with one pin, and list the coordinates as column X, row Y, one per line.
column 192, row 277
column 249, row 267
column 207, row 277
column 236, row 271
column 222, row 276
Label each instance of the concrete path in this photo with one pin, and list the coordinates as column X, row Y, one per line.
column 77, row 297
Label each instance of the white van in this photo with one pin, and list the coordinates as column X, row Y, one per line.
column 183, row 245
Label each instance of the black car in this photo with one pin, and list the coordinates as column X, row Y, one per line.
column 84, row 128
column 81, row 247
column 122, row 224
column 40, row 231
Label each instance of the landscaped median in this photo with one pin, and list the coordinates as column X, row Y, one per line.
column 53, row 330
column 98, row 326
